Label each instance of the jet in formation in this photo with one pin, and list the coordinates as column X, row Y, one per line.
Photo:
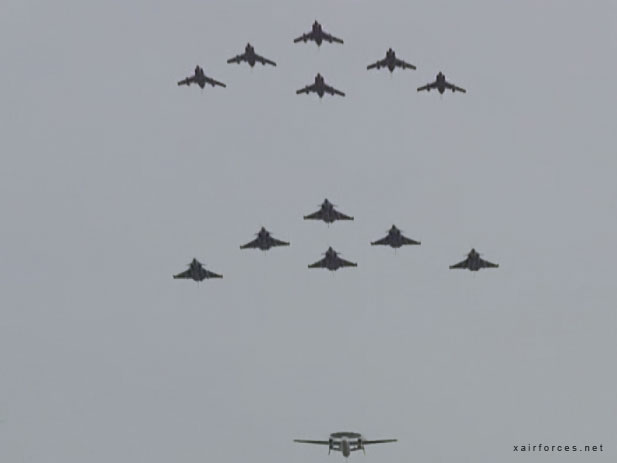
column 201, row 79
column 391, row 62
column 320, row 87
column 250, row 57
column 327, row 213
column 345, row 442
column 441, row 84
column 395, row 239
column 197, row 272
column 474, row 262
column 332, row 261
column 317, row 35
column 264, row 241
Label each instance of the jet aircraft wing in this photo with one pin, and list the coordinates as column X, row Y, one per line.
column 185, row 274
column 381, row 441
column 404, row 64
column 346, row 263
column 385, row 241
column 319, row 442
column 462, row 264
column 377, row 64
column 409, row 240
column 307, row 89
column 330, row 38
column 187, row 81
column 276, row 242
column 208, row 274
column 341, row 216
column 237, row 58
column 264, row 61
column 319, row 264
column 487, row 264
column 428, row 86
column 454, row 88
column 304, row 37
column 214, row 83
column 314, row 216
column 251, row 244
column 332, row 90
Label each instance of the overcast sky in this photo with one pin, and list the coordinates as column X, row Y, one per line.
column 112, row 179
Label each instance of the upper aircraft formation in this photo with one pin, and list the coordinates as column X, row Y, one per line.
column 319, row 86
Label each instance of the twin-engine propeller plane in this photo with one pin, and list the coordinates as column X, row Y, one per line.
column 320, row 87
column 391, row 62
column 317, row 35
column 250, row 57
column 345, row 442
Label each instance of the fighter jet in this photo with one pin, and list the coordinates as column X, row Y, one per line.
column 394, row 239
column 474, row 263
column 264, row 241
column 327, row 213
column 441, row 84
column 320, row 87
column 318, row 35
column 197, row 272
column 391, row 62
column 200, row 79
column 332, row 261
column 250, row 57
column 345, row 442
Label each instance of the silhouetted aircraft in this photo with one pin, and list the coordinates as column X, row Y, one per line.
column 250, row 57
column 394, row 239
column 200, row 79
column 474, row 263
column 345, row 442
column 441, row 84
column 197, row 272
column 320, row 87
column 332, row 261
column 264, row 241
column 391, row 62
column 317, row 35
column 327, row 213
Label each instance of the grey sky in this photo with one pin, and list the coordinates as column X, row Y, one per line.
column 112, row 178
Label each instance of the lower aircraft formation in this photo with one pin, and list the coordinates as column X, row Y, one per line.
column 318, row 35
column 331, row 260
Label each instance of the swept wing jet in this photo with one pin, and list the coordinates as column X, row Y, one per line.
column 264, row 241
column 197, row 272
column 250, row 57
column 201, row 79
column 474, row 262
column 332, row 261
column 327, row 213
column 391, row 62
column 345, row 442
column 395, row 239
column 320, row 87
column 317, row 35
column 441, row 84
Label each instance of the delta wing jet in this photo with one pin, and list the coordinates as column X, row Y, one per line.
column 327, row 213
column 264, row 241
column 474, row 262
column 395, row 239
column 332, row 261
column 197, row 272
